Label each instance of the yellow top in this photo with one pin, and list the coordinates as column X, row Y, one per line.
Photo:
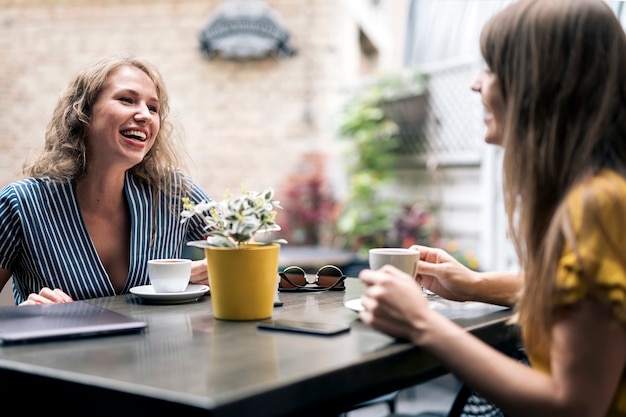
column 602, row 244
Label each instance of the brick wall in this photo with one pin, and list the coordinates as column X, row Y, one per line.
column 243, row 122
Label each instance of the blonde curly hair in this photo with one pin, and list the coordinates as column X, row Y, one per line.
column 64, row 154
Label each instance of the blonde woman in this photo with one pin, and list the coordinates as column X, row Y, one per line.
column 104, row 195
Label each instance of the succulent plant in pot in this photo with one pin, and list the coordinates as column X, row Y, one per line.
column 242, row 273
column 234, row 221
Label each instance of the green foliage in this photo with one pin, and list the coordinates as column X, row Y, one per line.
column 372, row 135
column 400, row 85
column 365, row 219
column 235, row 220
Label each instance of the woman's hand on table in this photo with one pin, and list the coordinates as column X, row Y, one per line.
column 199, row 273
column 47, row 296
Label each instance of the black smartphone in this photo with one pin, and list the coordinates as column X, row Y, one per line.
column 325, row 329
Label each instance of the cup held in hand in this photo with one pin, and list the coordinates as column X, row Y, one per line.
column 169, row 275
column 404, row 259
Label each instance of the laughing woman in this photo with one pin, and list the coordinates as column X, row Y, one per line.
column 104, row 195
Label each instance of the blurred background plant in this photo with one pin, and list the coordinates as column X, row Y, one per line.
column 367, row 219
column 313, row 216
column 466, row 257
column 398, row 85
column 365, row 216
column 414, row 225
column 309, row 206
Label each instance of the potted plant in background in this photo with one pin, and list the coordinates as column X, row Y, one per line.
column 374, row 122
column 404, row 99
column 309, row 206
column 365, row 216
column 242, row 273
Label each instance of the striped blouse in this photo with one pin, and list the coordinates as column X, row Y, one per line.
column 44, row 240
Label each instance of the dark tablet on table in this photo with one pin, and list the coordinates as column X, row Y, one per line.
column 42, row 322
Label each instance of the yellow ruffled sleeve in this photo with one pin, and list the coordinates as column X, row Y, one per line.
column 598, row 214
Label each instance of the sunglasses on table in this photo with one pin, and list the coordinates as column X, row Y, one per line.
column 327, row 278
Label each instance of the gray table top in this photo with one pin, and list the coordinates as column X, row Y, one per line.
column 189, row 362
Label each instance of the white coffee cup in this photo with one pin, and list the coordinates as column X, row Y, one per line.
column 169, row 275
column 404, row 259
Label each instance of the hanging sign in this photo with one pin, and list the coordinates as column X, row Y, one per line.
column 245, row 29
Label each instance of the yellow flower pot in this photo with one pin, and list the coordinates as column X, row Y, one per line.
column 243, row 281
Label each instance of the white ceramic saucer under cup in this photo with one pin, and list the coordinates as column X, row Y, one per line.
column 191, row 293
column 354, row 305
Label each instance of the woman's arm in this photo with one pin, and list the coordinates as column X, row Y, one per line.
column 588, row 351
column 442, row 274
column 5, row 275
column 45, row 296
column 587, row 360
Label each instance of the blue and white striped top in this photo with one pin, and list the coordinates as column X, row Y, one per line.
column 44, row 240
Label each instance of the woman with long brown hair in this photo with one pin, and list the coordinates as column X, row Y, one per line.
column 554, row 92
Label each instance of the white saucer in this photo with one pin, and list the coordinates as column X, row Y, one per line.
column 191, row 293
column 354, row 305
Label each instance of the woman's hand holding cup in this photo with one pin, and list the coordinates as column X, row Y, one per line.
column 406, row 260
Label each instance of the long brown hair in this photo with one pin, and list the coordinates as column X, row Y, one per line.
column 561, row 66
column 64, row 153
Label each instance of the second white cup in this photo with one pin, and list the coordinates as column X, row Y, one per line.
column 404, row 259
column 169, row 275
